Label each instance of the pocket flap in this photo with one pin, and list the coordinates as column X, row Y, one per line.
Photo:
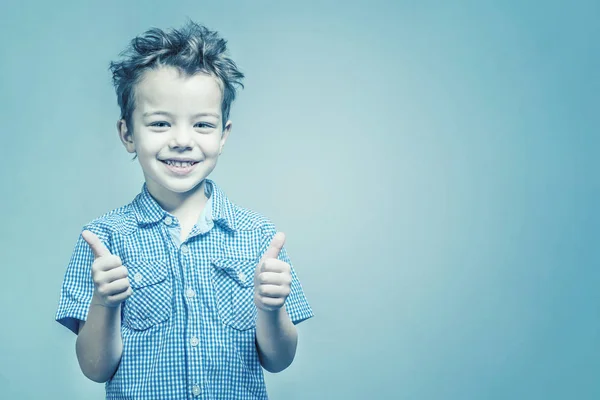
column 144, row 272
column 239, row 269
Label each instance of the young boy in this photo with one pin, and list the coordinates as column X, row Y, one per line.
column 180, row 294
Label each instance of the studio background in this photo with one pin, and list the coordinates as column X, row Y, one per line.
column 433, row 164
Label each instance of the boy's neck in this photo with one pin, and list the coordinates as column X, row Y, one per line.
column 184, row 206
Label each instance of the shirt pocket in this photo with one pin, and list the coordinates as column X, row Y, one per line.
column 150, row 303
column 233, row 284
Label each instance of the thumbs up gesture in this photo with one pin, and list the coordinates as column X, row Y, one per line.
column 272, row 278
column 111, row 284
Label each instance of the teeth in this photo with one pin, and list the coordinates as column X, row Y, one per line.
column 179, row 163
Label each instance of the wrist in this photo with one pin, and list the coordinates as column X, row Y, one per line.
column 99, row 302
column 273, row 316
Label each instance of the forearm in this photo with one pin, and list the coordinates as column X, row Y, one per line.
column 99, row 344
column 276, row 339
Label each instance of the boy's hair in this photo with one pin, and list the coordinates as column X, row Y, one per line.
column 191, row 49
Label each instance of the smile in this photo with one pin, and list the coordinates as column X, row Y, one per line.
column 180, row 168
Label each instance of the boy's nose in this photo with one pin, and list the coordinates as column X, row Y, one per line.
column 181, row 138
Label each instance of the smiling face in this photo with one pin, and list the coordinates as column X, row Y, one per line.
column 178, row 131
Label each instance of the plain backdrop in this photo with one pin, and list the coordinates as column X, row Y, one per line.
column 433, row 164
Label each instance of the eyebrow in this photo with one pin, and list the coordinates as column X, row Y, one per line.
column 165, row 113
column 147, row 114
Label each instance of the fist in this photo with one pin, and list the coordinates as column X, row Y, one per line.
column 272, row 278
column 111, row 284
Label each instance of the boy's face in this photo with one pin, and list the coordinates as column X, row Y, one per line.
column 176, row 118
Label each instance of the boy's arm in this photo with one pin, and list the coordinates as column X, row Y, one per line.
column 276, row 335
column 276, row 339
column 99, row 344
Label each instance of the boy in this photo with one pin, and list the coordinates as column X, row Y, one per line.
column 180, row 294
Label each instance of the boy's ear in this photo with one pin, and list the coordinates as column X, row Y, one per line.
column 125, row 135
column 225, row 135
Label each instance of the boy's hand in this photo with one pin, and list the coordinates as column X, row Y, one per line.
column 111, row 284
column 272, row 278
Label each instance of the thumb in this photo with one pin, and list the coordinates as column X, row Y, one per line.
column 275, row 246
column 98, row 248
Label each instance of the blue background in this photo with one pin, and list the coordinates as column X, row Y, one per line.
column 433, row 164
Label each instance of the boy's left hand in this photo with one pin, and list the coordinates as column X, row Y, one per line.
column 272, row 278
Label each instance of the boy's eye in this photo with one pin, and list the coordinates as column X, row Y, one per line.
column 204, row 125
column 160, row 124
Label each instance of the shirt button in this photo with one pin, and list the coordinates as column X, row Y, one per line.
column 190, row 293
column 138, row 277
column 185, row 249
column 168, row 220
column 194, row 341
column 196, row 390
column 242, row 276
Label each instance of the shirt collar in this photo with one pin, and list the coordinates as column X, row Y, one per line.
column 221, row 209
column 148, row 211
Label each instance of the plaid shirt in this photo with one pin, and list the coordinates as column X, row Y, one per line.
column 189, row 328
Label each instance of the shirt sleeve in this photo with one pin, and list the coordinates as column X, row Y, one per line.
column 78, row 286
column 296, row 303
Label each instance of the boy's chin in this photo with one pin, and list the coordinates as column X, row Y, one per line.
column 166, row 188
column 183, row 188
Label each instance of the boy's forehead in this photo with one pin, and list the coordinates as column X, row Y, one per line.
column 169, row 89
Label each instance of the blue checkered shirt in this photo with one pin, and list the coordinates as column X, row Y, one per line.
column 189, row 327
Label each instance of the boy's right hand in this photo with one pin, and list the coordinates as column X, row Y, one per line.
column 111, row 284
